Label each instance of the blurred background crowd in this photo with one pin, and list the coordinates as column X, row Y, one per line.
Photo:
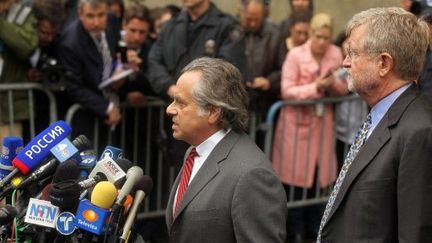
column 104, row 53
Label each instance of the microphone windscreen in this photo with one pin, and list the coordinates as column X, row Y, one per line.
column 39, row 147
column 66, row 171
column 145, row 184
column 65, row 194
column 82, row 143
column 104, row 194
column 124, row 164
column 11, row 147
column 10, row 210
column 46, row 192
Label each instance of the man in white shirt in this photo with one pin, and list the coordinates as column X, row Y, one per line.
column 227, row 190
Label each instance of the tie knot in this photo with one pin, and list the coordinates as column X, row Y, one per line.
column 193, row 153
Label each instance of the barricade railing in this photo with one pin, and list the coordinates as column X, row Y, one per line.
column 11, row 89
column 141, row 134
column 150, row 151
column 353, row 111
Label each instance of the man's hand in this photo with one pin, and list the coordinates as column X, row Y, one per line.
column 325, row 83
column 259, row 83
column 133, row 60
column 34, row 75
column 136, row 98
column 114, row 117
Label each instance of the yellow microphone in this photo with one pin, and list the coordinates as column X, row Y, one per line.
column 104, row 194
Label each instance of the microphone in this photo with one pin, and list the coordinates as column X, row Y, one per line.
column 102, row 195
column 88, row 162
column 41, row 213
column 112, row 152
column 110, row 169
column 91, row 216
column 65, row 150
column 66, row 171
column 133, row 175
column 65, row 192
column 143, row 188
column 37, row 149
column 7, row 214
column 79, row 143
column 85, row 184
column 11, row 147
column 65, row 195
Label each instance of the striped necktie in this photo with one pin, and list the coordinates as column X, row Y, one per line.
column 355, row 147
column 103, row 48
column 185, row 177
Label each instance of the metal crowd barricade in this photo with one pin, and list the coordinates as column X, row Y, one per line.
column 149, row 151
column 320, row 194
column 10, row 89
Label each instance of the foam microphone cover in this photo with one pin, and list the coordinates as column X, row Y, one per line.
column 65, row 194
column 65, row 171
column 11, row 147
column 145, row 184
column 46, row 192
column 7, row 213
column 104, row 194
column 82, row 143
column 124, row 164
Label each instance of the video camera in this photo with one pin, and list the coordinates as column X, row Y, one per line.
column 54, row 74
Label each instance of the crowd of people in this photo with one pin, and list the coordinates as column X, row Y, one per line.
column 105, row 53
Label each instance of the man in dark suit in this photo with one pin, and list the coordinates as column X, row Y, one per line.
column 226, row 191
column 86, row 49
column 384, row 190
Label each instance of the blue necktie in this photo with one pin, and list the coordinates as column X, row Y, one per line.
column 359, row 140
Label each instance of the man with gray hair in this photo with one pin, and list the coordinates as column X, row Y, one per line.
column 383, row 192
column 226, row 191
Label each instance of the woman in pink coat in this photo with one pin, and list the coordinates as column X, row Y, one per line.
column 303, row 146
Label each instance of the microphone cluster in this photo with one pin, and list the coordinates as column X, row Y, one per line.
column 66, row 193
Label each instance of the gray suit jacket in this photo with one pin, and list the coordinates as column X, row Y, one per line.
column 234, row 197
column 387, row 192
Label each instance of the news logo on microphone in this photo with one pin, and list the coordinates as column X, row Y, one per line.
column 111, row 152
column 41, row 213
column 39, row 147
column 64, row 150
column 11, row 147
column 65, row 223
column 91, row 218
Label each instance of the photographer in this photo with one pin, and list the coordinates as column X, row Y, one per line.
column 49, row 17
column 44, row 66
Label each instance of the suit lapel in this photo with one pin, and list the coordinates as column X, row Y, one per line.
column 89, row 47
column 374, row 143
column 207, row 172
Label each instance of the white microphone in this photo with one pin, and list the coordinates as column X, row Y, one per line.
column 132, row 176
column 143, row 187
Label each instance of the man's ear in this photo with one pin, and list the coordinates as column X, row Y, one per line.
column 214, row 115
column 386, row 63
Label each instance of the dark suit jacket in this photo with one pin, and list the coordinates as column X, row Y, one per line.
column 178, row 44
column 79, row 54
column 387, row 192
column 234, row 197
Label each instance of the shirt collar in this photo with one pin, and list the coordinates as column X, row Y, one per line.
column 381, row 108
column 205, row 148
